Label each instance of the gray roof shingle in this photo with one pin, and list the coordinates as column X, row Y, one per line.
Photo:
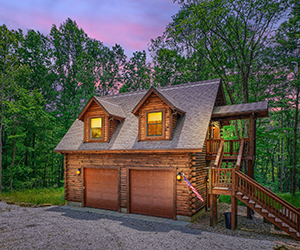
column 237, row 109
column 112, row 108
column 196, row 99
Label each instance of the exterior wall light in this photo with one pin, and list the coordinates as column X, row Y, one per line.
column 207, row 179
column 178, row 176
column 78, row 171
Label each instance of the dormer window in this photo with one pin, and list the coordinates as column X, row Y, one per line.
column 155, row 124
column 96, row 128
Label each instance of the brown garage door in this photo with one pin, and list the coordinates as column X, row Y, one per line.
column 101, row 188
column 151, row 192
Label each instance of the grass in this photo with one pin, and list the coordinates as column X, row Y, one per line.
column 294, row 200
column 53, row 196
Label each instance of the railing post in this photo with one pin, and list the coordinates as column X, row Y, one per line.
column 231, row 147
column 210, row 180
column 233, row 181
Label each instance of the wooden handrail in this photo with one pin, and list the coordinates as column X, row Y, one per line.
column 249, row 179
column 219, row 157
column 267, row 199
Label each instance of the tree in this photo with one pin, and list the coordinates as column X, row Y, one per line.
column 228, row 34
column 136, row 73
column 288, row 40
column 9, row 45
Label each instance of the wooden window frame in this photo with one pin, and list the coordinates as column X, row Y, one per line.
column 89, row 128
column 163, row 122
column 97, row 138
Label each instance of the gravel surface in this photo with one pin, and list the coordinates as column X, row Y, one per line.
column 255, row 228
column 59, row 228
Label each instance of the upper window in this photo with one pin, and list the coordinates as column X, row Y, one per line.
column 96, row 128
column 154, row 124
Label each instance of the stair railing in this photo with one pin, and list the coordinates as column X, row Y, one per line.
column 277, row 206
column 218, row 161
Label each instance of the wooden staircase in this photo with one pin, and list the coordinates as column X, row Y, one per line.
column 276, row 210
column 231, row 181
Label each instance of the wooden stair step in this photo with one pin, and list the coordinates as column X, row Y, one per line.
column 264, row 210
column 284, row 225
column 245, row 197
column 292, row 230
column 251, row 202
column 239, row 193
column 277, row 220
column 271, row 215
column 258, row 206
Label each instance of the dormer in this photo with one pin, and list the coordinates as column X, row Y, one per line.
column 158, row 114
column 100, row 119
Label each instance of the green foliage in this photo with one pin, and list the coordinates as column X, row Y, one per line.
column 292, row 199
column 54, row 196
column 227, row 199
column 136, row 73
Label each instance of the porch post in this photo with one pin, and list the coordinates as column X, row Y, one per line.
column 233, row 200
column 252, row 142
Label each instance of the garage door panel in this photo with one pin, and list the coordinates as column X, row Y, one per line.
column 101, row 188
column 151, row 192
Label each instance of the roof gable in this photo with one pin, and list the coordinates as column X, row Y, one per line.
column 167, row 99
column 111, row 109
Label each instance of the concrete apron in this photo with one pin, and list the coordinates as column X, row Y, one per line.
column 181, row 220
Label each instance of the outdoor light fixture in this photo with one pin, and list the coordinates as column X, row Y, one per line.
column 207, row 179
column 78, row 171
column 178, row 176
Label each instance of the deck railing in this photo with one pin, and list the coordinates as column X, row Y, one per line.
column 231, row 147
column 221, row 178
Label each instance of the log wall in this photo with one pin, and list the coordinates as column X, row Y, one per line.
column 192, row 164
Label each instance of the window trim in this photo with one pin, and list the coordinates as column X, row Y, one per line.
column 154, row 137
column 90, row 128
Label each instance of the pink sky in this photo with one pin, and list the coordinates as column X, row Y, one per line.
column 130, row 23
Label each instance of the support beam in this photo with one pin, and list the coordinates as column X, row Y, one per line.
column 252, row 142
column 233, row 211
column 215, row 210
column 211, row 207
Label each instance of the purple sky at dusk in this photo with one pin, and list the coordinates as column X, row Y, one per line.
column 130, row 23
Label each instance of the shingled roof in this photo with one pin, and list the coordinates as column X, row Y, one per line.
column 196, row 99
column 260, row 109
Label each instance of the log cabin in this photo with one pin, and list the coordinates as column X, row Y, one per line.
column 124, row 152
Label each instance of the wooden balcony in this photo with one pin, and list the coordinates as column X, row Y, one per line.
column 231, row 148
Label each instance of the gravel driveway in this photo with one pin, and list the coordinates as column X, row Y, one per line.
column 60, row 228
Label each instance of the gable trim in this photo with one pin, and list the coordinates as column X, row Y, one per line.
column 80, row 117
column 161, row 96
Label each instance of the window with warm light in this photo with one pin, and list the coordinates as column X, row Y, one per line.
column 96, row 128
column 154, row 124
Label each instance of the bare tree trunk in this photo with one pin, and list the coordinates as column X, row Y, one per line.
column 281, row 158
column 293, row 179
column 236, row 129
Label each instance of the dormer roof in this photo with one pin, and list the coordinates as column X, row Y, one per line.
column 110, row 108
column 165, row 97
